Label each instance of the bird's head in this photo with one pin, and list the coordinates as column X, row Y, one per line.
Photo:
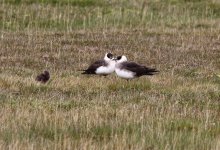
column 120, row 59
column 46, row 73
column 108, row 57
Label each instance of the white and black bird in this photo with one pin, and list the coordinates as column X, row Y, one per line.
column 102, row 67
column 130, row 70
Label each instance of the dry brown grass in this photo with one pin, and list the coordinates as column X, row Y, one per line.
column 176, row 109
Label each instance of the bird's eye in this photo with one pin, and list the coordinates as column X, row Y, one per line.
column 109, row 55
column 119, row 57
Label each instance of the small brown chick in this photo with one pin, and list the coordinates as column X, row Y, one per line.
column 43, row 77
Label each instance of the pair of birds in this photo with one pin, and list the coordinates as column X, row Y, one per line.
column 106, row 66
column 122, row 67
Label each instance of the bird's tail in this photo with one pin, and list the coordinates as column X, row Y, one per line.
column 81, row 70
column 151, row 71
column 84, row 71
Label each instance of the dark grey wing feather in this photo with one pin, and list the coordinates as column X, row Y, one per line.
column 138, row 69
column 92, row 68
column 39, row 77
column 43, row 78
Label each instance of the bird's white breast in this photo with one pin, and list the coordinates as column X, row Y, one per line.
column 124, row 73
column 106, row 69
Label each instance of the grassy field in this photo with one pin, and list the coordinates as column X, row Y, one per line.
column 177, row 109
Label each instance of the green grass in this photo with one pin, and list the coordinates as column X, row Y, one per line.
column 176, row 109
column 95, row 14
column 81, row 3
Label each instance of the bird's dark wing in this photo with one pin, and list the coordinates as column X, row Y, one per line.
column 43, row 78
column 131, row 65
column 39, row 77
column 92, row 68
column 138, row 69
column 46, row 77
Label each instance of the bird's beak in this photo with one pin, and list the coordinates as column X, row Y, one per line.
column 115, row 59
